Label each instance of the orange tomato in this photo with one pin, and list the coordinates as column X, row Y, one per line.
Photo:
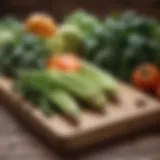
column 40, row 24
column 66, row 62
column 146, row 76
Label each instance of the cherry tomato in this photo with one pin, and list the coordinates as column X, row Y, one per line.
column 146, row 76
column 66, row 62
column 40, row 24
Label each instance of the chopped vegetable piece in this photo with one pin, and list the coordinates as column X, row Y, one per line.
column 146, row 76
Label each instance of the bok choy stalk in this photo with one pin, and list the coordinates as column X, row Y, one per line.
column 73, row 83
column 55, row 95
column 104, row 80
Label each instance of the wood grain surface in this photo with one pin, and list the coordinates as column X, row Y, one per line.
column 16, row 143
column 118, row 119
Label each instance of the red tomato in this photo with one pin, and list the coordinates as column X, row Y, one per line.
column 146, row 76
column 66, row 62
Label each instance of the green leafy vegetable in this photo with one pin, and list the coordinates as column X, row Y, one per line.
column 68, row 39
column 54, row 90
column 19, row 49
column 83, row 20
column 123, row 42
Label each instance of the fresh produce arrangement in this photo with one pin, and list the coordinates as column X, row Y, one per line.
column 120, row 44
column 59, row 67
column 47, row 71
column 64, row 84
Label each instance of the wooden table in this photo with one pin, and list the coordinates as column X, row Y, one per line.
column 16, row 143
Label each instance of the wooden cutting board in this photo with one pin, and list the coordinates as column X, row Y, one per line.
column 134, row 111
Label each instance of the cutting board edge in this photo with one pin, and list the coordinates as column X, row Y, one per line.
column 73, row 143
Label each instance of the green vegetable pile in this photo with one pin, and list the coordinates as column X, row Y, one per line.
column 122, row 42
column 117, row 44
column 19, row 49
column 72, row 31
column 25, row 55
column 55, row 90
column 86, row 22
